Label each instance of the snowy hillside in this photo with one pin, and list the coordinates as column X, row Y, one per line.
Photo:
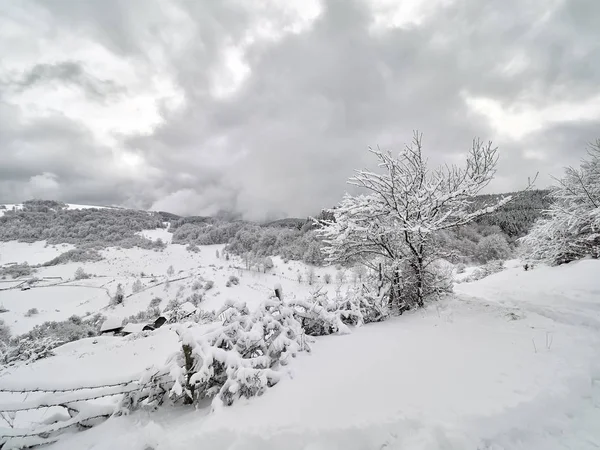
column 511, row 362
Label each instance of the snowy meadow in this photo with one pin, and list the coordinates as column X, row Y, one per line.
column 418, row 314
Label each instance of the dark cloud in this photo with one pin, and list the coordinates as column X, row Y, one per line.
column 286, row 140
column 69, row 73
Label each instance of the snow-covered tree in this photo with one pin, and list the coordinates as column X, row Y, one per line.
column 170, row 271
column 80, row 274
column 119, row 295
column 570, row 229
column 492, row 247
column 393, row 228
column 137, row 286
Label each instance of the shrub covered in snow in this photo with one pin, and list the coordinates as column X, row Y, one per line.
column 80, row 274
column 4, row 332
column 31, row 312
column 119, row 296
column 42, row 339
column 209, row 285
column 137, row 286
column 239, row 359
column 233, row 281
column 75, row 255
column 192, row 248
column 486, row 270
column 16, row 270
column 492, row 247
column 155, row 302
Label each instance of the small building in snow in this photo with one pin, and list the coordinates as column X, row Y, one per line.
column 112, row 324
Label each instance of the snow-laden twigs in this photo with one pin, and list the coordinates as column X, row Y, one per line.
column 570, row 228
column 397, row 222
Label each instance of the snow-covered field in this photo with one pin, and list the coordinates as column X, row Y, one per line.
column 509, row 362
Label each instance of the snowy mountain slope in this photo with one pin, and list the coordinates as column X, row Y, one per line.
column 511, row 362
column 125, row 266
column 19, row 206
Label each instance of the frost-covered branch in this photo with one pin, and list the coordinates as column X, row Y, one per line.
column 405, row 207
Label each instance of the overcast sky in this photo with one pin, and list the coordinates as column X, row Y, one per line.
column 265, row 107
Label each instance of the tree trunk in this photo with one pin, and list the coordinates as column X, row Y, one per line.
column 189, row 366
column 420, row 281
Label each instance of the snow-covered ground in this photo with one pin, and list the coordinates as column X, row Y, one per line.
column 35, row 253
column 59, row 296
column 509, row 362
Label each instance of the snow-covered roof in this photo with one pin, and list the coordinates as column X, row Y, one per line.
column 111, row 323
column 187, row 307
column 133, row 328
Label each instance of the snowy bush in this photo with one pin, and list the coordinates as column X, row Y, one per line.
column 195, row 299
column 31, row 312
column 209, row 285
column 172, row 305
column 192, row 248
column 486, row 270
column 310, row 275
column 361, row 306
column 119, row 296
column 170, row 271
column 75, row 255
column 155, row 302
column 16, row 270
column 234, row 280
column 239, row 359
column 318, row 316
column 80, row 274
column 42, row 339
column 197, row 285
column 137, row 286
column 4, row 331
column 327, row 278
column 492, row 247
column 570, row 228
column 29, row 350
column 147, row 316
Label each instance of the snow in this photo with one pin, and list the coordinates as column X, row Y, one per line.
column 159, row 233
column 134, row 328
column 509, row 362
column 52, row 302
column 75, row 206
column 32, row 253
column 187, row 307
column 111, row 323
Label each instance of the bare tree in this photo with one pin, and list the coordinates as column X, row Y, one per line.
column 393, row 228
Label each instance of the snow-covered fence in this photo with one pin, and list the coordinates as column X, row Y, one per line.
column 76, row 400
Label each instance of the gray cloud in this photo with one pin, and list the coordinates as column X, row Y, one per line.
column 285, row 142
column 69, row 73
